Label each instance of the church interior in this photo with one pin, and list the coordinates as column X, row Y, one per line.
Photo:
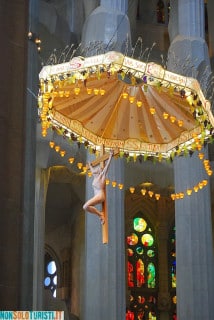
column 152, row 258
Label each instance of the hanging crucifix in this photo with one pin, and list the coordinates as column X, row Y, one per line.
column 99, row 169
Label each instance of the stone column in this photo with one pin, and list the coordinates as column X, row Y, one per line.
column 210, row 9
column 15, row 218
column 104, row 292
column 194, row 251
column 163, row 272
column 120, row 5
column 42, row 179
column 27, row 296
column 107, row 28
column 191, row 18
column 188, row 55
column 188, row 52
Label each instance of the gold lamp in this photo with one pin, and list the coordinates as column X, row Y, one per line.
column 150, row 193
column 89, row 91
column 114, row 183
column 181, row 195
column 165, row 115
column 173, row 196
column 152, row 110
column 196, row 188
column 79, row 165
column 157, row 196
column 201, row 155
column 84, row 169
column 143, row 192
column 131, row 99
column 132, row 189
column 139, row 103
column 57, row 148
column 201, row 185
column 180, row 123
column 107, row 182
column 51, row 144
column 125, row 95
column 205, row 182
column 71, row 160
column 76, row 91
column 172, row 119
column 189, row 192
column 62, row 153
column 96, row 91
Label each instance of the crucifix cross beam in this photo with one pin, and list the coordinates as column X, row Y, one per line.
column 103, row 157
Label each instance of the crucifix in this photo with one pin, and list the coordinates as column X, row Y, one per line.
column 99, row 185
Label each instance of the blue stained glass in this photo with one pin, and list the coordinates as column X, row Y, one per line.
column 51, row 267
column 139, row 250
column 47, row 281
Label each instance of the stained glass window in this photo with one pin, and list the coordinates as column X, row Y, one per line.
column 141, row 271
column 172, row 273
column 160, row 12
column 50, row 281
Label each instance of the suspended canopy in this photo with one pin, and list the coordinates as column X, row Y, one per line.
column 117, row 101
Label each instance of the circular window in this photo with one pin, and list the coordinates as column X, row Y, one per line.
column 147, row 240
column 139, row 250
column 51, row 267
column 132, row 239
column 139, row 224
column 150, row 253
column 47, row 281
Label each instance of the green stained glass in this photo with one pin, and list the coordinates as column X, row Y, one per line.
column 132, row 239
column 139, row 250
column 150, row 253
column 139, row 224
column 147, row 240
column 151, row 275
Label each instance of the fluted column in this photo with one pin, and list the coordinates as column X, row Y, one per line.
column 191, row 18
column 188, row 55
column 120, row 5
column 104, row 291
column 188, row 52
column 194, row 251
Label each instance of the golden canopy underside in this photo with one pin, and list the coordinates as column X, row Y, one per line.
column 163, row 121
